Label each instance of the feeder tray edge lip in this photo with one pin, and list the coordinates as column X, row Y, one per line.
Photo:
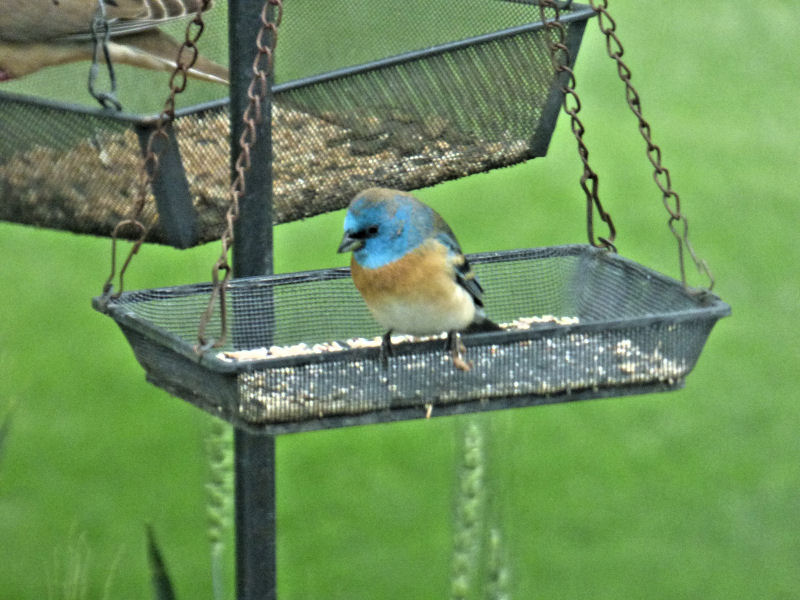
column 581, row 12
column 89, row 111
column 712, row 309
column 407, row 413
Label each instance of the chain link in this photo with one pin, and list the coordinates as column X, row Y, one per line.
column 561, row 59
column 101, row 34
column 187, row 56
column 677, row 222
column 222, row 271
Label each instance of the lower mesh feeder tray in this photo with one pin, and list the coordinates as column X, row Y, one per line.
column 303, row 352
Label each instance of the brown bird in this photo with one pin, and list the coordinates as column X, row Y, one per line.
column 35, row 34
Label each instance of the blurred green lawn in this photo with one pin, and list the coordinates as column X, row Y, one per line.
column 692, row 494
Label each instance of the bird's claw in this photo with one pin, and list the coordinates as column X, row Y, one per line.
column 457, row 349
column 386, row 349
column 460, row 363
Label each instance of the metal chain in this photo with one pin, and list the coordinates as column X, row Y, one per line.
column 101, row 34
column 263, row 64
column 661, row 175
column 561, row 59
column 187, row 56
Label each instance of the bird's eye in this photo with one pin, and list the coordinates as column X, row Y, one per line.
column 365, row 233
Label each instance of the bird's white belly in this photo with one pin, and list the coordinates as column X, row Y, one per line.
column 416, row 317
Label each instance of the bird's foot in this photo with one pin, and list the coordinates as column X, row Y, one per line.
column 457, row 349
column 386, row 349
column 461, row 364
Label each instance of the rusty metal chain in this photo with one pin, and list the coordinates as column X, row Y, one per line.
column 561, row 59
column 263, row 64
column 661, row 174
column 187, row 56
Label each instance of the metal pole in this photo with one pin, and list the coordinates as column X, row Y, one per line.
column 254, row 461
column 255, row 516
column 252, row 250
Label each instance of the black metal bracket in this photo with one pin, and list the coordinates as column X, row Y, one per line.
column 176, row 214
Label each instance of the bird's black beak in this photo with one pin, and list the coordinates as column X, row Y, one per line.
column 350, row 243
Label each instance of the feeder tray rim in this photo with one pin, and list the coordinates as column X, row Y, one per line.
column 143, row 120
column 710, row 307
column 407, row 413
column 579, row 12
column 335, row 273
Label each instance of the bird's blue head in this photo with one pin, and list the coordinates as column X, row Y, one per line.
column 383, row 225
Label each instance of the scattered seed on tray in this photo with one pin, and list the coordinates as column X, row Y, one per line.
column 318, row 166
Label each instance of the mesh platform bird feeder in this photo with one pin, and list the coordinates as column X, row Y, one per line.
column 303, row 352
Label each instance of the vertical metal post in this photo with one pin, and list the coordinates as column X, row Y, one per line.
column 252, row 251
column 254, row 461
column 255, row 516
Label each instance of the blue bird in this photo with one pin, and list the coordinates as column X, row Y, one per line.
column 410, row 270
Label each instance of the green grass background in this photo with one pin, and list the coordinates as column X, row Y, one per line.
column 692, row 494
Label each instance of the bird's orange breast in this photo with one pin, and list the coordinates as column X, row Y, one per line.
column 417, row 293
column 423, row 272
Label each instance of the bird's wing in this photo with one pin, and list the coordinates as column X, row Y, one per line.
column 152, row 13
column 154, row 49
column 20, row 59
column 465, row 276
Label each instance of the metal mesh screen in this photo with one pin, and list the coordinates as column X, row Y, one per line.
column 434, row 91
column 627, row 328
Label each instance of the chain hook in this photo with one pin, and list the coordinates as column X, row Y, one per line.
column 143, row 231
column 218, row 288
column 101, row 34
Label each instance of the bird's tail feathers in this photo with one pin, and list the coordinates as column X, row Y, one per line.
column 157, row 50
column 482, row 324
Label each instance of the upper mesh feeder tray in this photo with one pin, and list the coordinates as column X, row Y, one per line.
column 304, row 353
column 438, row 91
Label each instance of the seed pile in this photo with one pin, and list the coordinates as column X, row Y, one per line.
column 557, row 363
column 319, row 165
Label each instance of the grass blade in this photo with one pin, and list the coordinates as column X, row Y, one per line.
column 162, row 586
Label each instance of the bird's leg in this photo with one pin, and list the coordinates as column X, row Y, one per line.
column 386, row 349
column 457, row 348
